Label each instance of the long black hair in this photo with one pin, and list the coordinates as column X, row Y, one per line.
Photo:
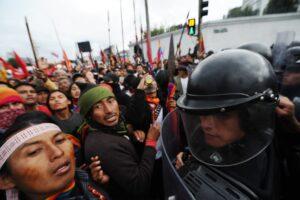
column 66, row 95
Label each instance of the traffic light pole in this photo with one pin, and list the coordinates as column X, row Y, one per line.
column 202, row 12
column 199, row 19
column 199, row 27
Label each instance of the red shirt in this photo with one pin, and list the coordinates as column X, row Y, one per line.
column 43, row 109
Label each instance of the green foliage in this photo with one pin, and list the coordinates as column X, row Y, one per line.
column 239, row 12
column 281, row 6
column 157, row 31
column 162, row 29
column 174, row 28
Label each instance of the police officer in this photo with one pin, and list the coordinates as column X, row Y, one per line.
column 227, row 117
column 291, row 76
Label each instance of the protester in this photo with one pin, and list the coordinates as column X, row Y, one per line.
column 11, row 106
column 181, row 81
column 78, row 78
column 13, row 82
column 66, row 119
column 42, row 95
column 108, row 138
column 64, row 84
column 74, row 93
column 40, row 163
column 28, row 93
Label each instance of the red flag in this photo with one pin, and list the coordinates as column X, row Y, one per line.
column 3, row 74
column 67, row 61
column 103, row 57
column 22, row 64
column 16, row 74
column 149, row 51
column 201, row 46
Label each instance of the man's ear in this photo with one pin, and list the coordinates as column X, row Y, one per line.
column 6, row 182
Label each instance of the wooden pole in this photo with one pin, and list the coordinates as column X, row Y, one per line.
column 31, row 42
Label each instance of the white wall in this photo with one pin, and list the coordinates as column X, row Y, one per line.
column 261, row 29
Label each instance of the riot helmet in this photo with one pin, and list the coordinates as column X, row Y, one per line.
column 258, row 48
column 228, row 110
column 294, row 43
column 291, row 75
column 293, row 58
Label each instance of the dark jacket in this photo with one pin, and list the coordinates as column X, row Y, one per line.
column 130, row 176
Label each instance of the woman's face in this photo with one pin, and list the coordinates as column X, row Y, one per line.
column 43, row 165
column 58, row 101
column 75, row 91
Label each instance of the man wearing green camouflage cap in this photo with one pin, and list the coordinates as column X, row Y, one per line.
column 97, row 99
column 107, row 137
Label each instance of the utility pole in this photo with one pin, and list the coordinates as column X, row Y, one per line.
column 122, row 29
column 142, row 32
column 31, row 42
column 136, row 36
column 149, row 52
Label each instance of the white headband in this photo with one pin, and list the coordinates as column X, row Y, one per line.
column 21, row 137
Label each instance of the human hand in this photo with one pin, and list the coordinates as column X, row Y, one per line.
column 153, row 132
column 139, row 135
column 97, row 173
column 179, row 162
column 41, row 75
column 286, row 112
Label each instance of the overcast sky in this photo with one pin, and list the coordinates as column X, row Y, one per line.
column 81, row 20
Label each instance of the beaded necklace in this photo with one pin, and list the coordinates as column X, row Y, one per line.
column 96, row 193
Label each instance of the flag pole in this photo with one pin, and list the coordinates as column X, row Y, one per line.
column 57, row 36
column 182, row 32
column 108, row 23
column 31, row 43
column 67, row 61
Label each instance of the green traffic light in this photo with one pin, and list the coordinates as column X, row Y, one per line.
column 192, row 31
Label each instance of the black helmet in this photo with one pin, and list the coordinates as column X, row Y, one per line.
column 294, row 43
column 228, row 110
column 258, row 48
column 228, row 79
column 293, row 59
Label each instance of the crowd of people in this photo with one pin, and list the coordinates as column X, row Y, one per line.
column 96, row 132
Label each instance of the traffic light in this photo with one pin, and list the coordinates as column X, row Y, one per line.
column 191, row 26
column 204, row 4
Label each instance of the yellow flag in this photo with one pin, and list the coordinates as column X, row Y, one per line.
column 3, row 75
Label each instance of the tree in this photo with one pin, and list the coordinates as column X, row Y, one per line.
column 157, row 31
column 239, row 12
column 174, row 28
column 281, row 6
